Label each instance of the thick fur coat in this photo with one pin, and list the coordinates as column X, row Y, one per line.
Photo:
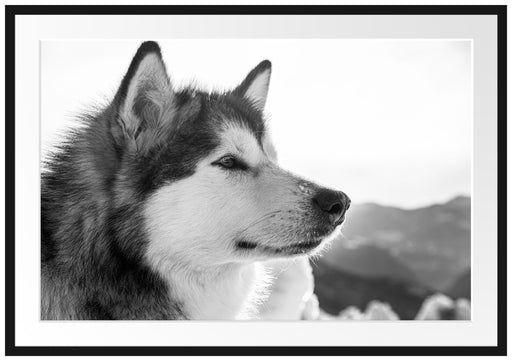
column 164, row 204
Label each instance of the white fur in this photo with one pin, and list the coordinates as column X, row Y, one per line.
column 227, row 292
column 258, row 89
column 268, row 146
column 241, row 142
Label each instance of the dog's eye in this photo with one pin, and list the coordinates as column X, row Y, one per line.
column 227, row 162
column 230, row 162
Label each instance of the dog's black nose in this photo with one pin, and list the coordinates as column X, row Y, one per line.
column 332, row 203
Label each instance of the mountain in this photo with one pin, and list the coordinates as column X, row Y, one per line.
column 367, row 260
column 461, row 287
column 337, row 290
column 397, row 256
column 433, row 243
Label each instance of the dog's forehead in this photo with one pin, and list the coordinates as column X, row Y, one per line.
column 241, row 140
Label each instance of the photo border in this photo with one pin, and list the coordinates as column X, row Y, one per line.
column 11, row 11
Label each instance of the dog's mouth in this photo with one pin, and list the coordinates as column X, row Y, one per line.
column 308, row 245
column 291, row 249
column 297, row 248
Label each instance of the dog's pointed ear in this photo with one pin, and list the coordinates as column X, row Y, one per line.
column 255, row 85
column 142, row 89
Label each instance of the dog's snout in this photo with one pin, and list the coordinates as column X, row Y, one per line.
column 332, row 203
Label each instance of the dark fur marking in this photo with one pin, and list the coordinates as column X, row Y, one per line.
column 246, row 245
column 96, row 311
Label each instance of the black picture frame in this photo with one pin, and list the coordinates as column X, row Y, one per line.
column 10, row 18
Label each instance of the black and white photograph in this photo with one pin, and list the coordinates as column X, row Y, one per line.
column 256, row 180
column 330, row 182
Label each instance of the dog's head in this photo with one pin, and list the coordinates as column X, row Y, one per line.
column 213, row 192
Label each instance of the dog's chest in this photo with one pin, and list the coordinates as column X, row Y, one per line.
column 222, row 294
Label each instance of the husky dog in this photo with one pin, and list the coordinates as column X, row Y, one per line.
column 164, row 205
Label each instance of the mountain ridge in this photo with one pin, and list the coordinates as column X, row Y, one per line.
column 396, row 250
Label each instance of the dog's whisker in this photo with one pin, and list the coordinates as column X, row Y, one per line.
column 260, row 220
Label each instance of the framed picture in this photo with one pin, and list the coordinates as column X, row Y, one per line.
column 255, row 180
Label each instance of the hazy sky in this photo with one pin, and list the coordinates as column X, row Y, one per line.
column 387, row 121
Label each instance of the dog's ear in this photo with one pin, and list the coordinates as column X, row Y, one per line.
column 141, row 95
column 255, row 85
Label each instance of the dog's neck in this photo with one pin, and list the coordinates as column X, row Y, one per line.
column 224, row 292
